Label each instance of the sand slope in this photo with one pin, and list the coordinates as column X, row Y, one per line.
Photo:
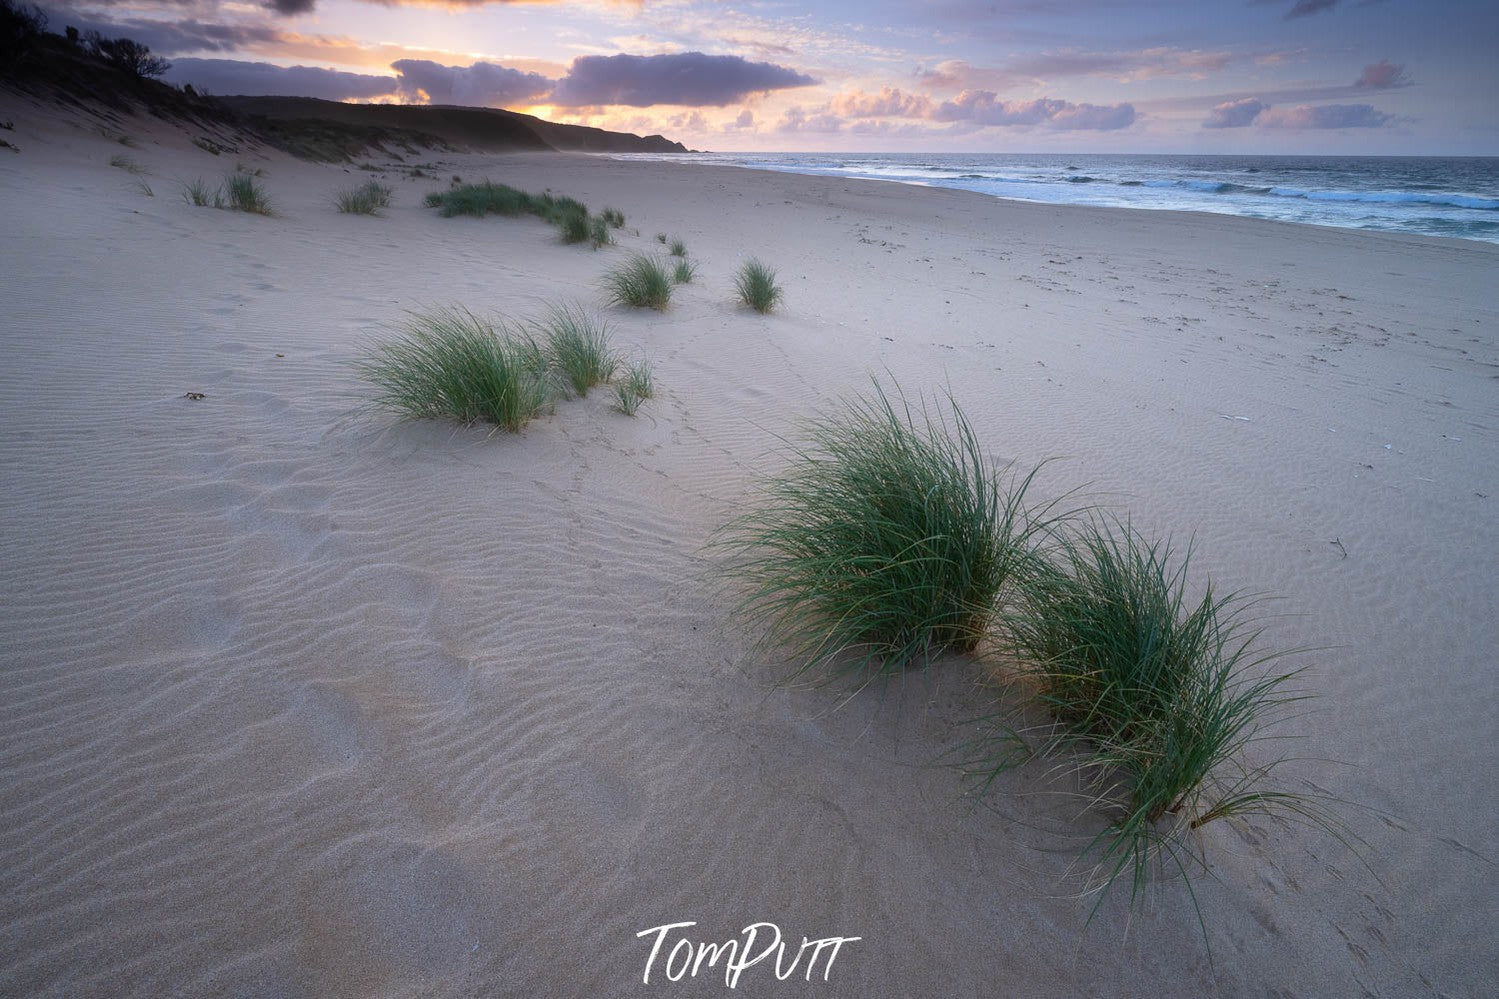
column 300, row 701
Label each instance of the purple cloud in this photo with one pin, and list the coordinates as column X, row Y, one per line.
column 232, row 76
column 982, row 107
column 484, row 84
column 797, row 120
column 1235, row 114
column 688, row 78
column 1325, row 116
column 1383, row 75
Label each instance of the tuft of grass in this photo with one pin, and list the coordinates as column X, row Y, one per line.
column 577, row 344
column 683, row 272
column 640, row 281
column 127, row 164
column 368, row 198
column 568, row 214
column 575, row 228
column 889, row 539
column 144, row 188
column 598, row 232
column 243, row 194
column 1153, row 697
column 633, row 389
column 197, row 192
column 451, row 363
column 756, row 284
column 661, row 238
column 678, row 248
column 613, row 217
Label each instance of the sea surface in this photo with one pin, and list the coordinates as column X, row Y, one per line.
column 1434, row 196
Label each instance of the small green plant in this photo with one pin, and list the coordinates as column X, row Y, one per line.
column 683, row 271
column 641, row 281
column 633, row 389
column 757, row 286
column 661, row 238
column 1152, row 697
column 613, row 217
column 243, row 194
column 575, row 228
column 368, row 198
column 197, row 192
column 577, row 343
column 451, row 363
column 678, row 248
column 127, row 164
column 598, row 232
column 889, row 539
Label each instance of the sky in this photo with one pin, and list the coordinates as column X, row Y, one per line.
column 1402, row 77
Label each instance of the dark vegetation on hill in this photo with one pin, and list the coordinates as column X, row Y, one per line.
column 113, row 78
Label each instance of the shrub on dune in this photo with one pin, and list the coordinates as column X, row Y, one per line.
column 641, row 281
column 889, row 540
column 452, row 363
column 633, row 389
column 577, row 344
column 243, row 194
column 1153, row 697
column 757, row 286
column 367, row 199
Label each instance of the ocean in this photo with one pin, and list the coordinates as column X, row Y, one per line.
column 1456, row 197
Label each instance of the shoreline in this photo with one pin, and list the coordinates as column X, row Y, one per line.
column 305, row 701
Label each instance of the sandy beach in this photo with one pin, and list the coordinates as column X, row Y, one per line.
column 303, row 700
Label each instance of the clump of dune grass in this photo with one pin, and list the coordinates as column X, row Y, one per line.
column 575, row 228
column 451, row 363
column 127, row 164
column 641, row 281
column 756, row 284
column 369, row 198
column 613, row 217
column 678, row 248
column 198, row 193
column 577, row 344
column 889, row 539
column 243, row 194
column 633, row 389
column 661, row 238
column 598, row 232
column 683, row 271
column 1152, row 697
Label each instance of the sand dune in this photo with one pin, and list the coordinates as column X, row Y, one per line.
column 303, row 701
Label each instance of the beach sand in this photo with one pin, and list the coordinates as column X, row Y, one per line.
column 301, row 700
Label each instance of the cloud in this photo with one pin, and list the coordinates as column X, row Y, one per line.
column 1127, row 66
column 797, row 120
column 291, row 8
column 1325, row 116
column 687, row 78
column 746, row 120
column 1235, row 114
column 890, row 102
column 483, row 84
column 982, row 107
column 233, row 76
column 1305, row 8
column 1383, row 75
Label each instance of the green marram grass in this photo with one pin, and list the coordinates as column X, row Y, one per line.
column 641, row 281
column 569, row 215
column 575, row 228
column 198, row 193
column 890, row 539
column 633, row 389
column 451, row 363
column 613, row 217
column 127, row 164
column 577, row 346
column 683, row 271
column 678, row 248
column 1152, row 697
column 598, row 232
column 243, row 194
column 369, row 198
column 756, row 284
